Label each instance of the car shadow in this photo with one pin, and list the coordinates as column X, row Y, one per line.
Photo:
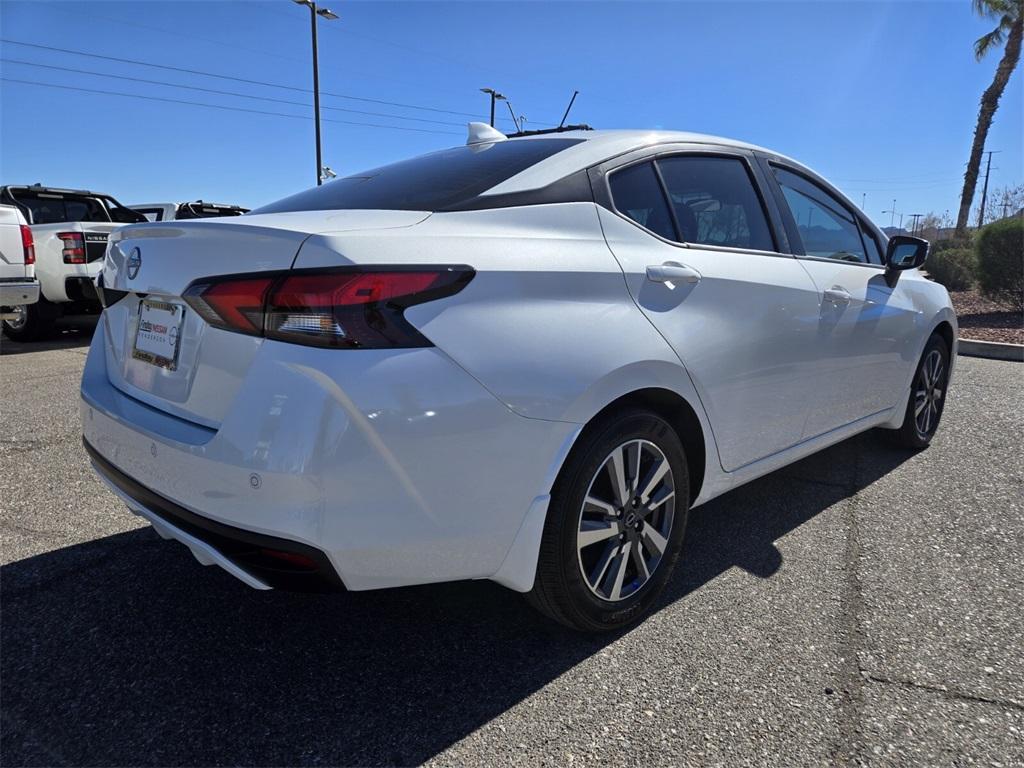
column 67, row 333
column 123, row 651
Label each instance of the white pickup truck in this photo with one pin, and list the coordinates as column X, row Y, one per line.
column 70, row 229
column 18, row 284
column 200, row 209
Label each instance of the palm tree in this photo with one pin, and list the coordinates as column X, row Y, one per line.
column 1010, row 28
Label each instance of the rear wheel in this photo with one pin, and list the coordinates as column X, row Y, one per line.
column 615, row 527
column 927, row 396
column 31, row 321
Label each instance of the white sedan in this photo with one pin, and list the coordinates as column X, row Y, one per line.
column 522, row 359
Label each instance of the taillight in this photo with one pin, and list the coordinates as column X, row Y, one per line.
column 28, row 246
column 74, row 247
column 342, row 308
column 233, row 304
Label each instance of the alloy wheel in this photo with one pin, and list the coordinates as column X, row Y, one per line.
column 928, row 392
column 626, row 520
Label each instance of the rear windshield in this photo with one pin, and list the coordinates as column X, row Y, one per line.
column 58, row 207
column 206, row 211
column 426, row 183
column 53, row 209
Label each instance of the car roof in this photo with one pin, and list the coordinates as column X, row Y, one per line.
column 594, row 147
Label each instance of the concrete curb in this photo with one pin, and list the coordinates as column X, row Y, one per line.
column 993, row 350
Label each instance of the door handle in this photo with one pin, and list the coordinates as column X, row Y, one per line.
column 672, row 272
column 840, row 297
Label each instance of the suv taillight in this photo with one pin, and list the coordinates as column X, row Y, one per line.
column 341, row 308
column 74, row 247
column 28, row 246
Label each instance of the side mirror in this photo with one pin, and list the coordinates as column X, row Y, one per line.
column 903, row 252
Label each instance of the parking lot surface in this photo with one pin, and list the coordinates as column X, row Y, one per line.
column 863, row 606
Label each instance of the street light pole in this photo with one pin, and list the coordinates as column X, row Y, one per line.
column 495, row 97
column 316, row 94
column 325, row 13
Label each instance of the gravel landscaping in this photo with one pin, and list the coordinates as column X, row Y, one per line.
column 984, row 320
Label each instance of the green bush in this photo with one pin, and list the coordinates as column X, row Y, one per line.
column 955, row 268
column 1000, row 253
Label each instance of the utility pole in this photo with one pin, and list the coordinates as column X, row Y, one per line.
column 495, row 97
column 863, row 200
column 984, row 190
column 324, row 13
column 916, row 218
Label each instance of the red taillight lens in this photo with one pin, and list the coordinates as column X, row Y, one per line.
column 234, row 305
column 354, row 310
column 28, row 246
column 74, row 247
column 346, row 308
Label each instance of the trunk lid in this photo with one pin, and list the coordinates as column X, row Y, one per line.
column 158, row 349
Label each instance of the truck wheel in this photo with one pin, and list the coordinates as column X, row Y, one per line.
column 32, row 321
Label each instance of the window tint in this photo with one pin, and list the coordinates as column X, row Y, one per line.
column 637, row 194
column 875, row 255
column 715, row 202
column 827, row 228
column 47, row 208
column 426, row 183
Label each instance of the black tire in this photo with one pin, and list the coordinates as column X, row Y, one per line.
column 37, row 323
column 917, row 433
column 560, row 590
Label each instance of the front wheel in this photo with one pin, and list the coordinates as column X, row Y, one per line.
column 927, row 396
column 615, row 526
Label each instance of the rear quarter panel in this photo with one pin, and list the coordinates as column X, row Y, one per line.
column 547, row 325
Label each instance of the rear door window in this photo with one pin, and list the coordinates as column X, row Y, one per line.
column 827, row 227
column 715, row 202
column 637, row 194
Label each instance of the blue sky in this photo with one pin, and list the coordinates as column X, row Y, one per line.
column 881, row 98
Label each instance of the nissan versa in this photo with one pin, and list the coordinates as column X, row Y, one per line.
column 523, row 359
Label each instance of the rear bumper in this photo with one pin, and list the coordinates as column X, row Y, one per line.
column 261, row 561
column 16, row 293
column 81, row 289
column 396, row 465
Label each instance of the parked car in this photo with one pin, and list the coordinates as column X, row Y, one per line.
column 195, row 210
column 18, row 284
column 70, row 229
column 522, row 360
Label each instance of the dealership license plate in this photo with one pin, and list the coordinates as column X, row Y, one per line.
column 157, row 337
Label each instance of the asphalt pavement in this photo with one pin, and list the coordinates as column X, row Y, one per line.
column 864, row 606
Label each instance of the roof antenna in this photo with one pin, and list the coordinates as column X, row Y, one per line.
column 574, row 94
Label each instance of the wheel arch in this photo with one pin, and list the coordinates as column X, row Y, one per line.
column 678, row 412
column 945, row 330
